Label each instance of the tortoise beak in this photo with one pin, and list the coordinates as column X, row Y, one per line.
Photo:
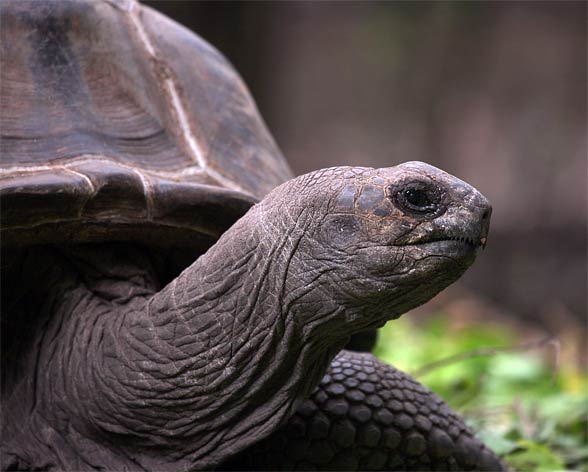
column 485, row 224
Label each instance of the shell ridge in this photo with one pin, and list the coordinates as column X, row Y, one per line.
column 148, row 192
column 170, row 89
column 93, row 189
column 87, row 158
column 177, row 107
column 81, row 175
column 124, row 5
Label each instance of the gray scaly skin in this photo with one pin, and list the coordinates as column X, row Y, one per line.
column 366, row 415
column 127, row 375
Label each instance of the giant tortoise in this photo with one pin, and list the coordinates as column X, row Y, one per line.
column 172, row 298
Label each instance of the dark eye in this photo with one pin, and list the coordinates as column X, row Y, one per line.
column 417, row 198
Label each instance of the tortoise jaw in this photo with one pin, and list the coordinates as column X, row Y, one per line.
column 474, row 242
column 457, row 247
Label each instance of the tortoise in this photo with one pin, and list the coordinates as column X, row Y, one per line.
column 173, row 297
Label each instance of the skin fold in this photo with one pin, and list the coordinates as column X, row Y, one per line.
column 114, row 371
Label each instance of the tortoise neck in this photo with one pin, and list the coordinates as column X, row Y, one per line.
column 214, row 361
column 219, row 344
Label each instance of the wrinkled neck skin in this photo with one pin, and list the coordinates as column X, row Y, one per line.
column 180, row 378
column 222, row 344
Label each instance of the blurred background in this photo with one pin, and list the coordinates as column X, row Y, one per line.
column 493, row 92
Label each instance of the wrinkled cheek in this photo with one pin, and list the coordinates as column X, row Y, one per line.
column 386, row 262
column 437, row 272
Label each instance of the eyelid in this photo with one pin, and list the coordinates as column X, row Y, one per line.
column 436, row 194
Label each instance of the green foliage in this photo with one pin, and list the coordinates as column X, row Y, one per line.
column 531, row 414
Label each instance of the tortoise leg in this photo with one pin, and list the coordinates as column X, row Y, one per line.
column 366, row 415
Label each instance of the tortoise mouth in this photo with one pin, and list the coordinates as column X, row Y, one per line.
column 468, row 242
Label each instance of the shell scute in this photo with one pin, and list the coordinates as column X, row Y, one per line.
column 118, row 192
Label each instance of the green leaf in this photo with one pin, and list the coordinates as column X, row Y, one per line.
column 499, row 444
column 536, row 457
column 533, row 417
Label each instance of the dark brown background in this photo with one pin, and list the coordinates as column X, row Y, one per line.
column 493, row 92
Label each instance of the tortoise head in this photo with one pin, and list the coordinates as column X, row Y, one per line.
column 377, row 241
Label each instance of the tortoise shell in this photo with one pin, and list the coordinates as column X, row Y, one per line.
column 120, row 124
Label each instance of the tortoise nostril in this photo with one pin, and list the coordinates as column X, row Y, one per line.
column 486, row 214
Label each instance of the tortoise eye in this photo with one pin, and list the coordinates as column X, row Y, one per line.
column 417, row 198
